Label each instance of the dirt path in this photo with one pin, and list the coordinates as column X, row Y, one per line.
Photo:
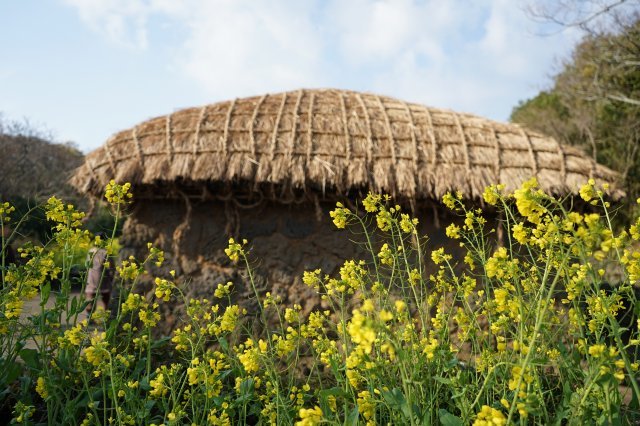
column 32, row 307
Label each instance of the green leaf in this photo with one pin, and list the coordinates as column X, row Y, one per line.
column 323, row 397
column 157, row 343
column 223, row 343
column 31, row 358
column 335, row 391
column 448, row 419
column 246, row 391
column 394, row 398
column 11, row 372
column 442, row 380
column 352, row 418
column 45, row 290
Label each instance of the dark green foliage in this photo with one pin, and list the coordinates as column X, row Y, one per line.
column 595, row 103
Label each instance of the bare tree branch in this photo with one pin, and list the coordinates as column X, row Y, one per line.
column 623, row 98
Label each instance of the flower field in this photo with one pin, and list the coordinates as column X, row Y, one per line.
column 537, row 327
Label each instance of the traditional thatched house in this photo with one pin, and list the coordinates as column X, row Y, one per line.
column 269, row 168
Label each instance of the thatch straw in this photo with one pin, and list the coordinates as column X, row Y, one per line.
column 335, row 140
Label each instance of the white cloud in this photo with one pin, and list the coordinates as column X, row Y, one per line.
column 121, row 21
column 245, row 47
column 475, row 56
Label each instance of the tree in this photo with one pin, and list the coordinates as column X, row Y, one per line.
column 594, row 101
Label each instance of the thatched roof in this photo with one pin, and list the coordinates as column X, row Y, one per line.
column 336, row 141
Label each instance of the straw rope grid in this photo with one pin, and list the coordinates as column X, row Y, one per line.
column 168, row 138
column 196, row 135
column 310, row 128
column 335, row 139
column 252, row 123
column 294, row 125
column 477, row 164
column 276, row 127
column 345, row 124
column 563, row 162
column 138, row 147
column 534, row 160
column 414, row 139
column 463, row 138
column 432, row 138
column 367, row 121
column 227, row 124
column 498, row 163
column 112, row 163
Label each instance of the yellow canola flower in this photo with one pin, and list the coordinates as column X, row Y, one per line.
column 520, row 233
column 129, row 269
column 74, row 335
column 340, row 215
column 5, row 210
column 386, row 255
column 235, row 250
column 528, row 201
column 490, row 416
column 223, row 290
column 312, row 278
column 250, row 357
column 41, row 388
column 118, row 194
column 371, row 202
column 97, row 353
column 360, row 332
column 158, row 387
column 597, row 351
column 450, row 200
column 494, row 266
column 149, row 317
column 366, row 405
column 230, row 318
column 400, row 306
column 588, row 191
column 438, row 256
column 453, row 231
column 492, row 194
column 310, row 416
column 384, row 219
column 292, row 315
column 163, row 289
column 408, row 224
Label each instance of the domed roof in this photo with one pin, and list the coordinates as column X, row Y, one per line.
column 336, row 140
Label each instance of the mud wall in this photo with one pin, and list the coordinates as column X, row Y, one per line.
column 284, row 240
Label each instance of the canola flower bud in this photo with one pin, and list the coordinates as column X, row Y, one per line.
column 117, row 194
column 235, row 250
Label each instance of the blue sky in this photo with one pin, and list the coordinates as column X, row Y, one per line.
column 85, row 69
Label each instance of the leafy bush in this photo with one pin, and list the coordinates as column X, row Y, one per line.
column 523, row 332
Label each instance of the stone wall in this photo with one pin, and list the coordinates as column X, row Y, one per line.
column 284, row 240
